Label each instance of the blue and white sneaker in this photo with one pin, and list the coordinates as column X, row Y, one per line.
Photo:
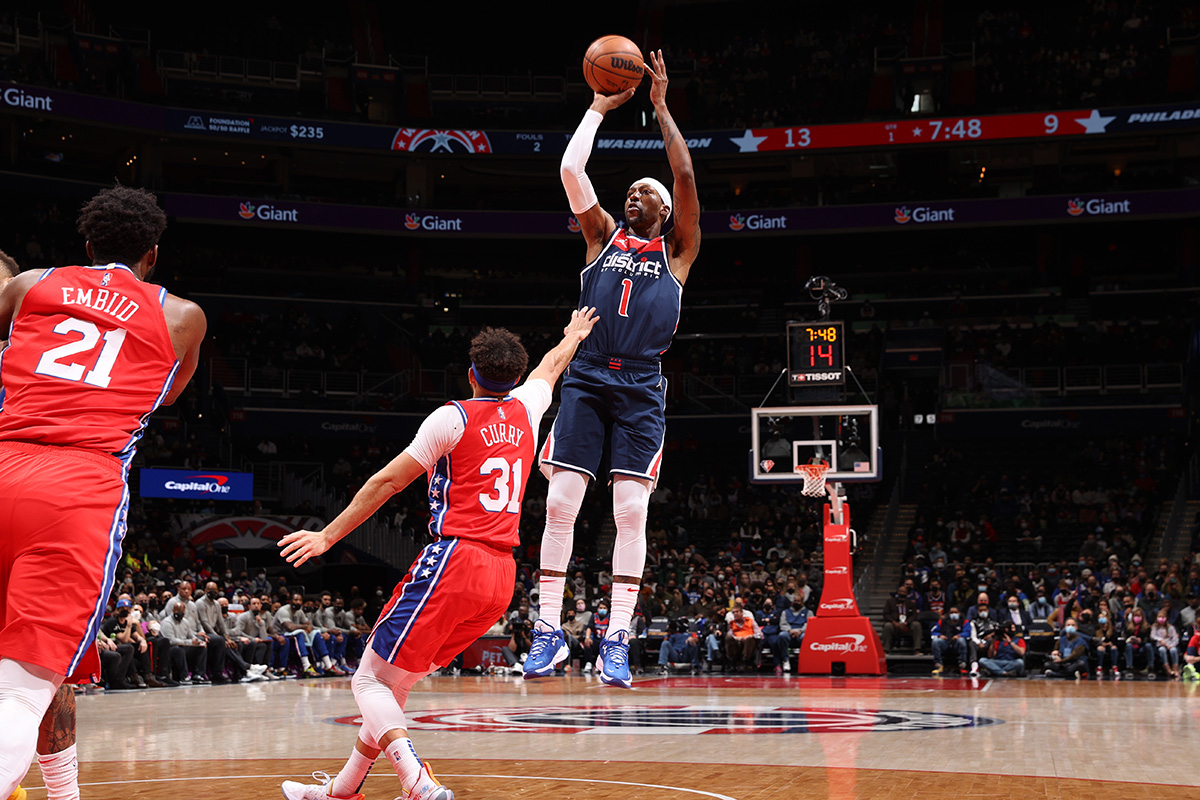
column 613, row 661
column 549, row 649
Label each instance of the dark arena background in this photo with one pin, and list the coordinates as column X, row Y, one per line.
column 1009, row 195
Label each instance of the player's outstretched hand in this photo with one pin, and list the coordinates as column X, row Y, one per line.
column 582, row 322
column 657, row 69
column 300, row 546
column 605, row 103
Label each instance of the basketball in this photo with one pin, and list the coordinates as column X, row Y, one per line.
column 612, row 64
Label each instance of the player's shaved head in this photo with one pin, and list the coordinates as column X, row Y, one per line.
column 498, row 355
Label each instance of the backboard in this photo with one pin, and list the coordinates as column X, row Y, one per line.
column 846, row 437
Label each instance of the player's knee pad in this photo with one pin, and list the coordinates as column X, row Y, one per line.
column 631, row 498
column 563, row 500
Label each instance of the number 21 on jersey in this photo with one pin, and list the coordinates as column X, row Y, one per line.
column 507, row 486
column 53, row 362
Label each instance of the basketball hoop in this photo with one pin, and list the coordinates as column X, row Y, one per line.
column 814, row 478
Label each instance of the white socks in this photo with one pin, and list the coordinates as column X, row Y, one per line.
column 350, row 779
column 551, row 594
column 404, row 761
column 60, row 771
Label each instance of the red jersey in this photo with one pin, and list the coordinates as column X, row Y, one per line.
column 476, row 486
column 89, row 359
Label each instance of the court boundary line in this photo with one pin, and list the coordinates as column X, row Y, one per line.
column 614, row 761
column 701, row 792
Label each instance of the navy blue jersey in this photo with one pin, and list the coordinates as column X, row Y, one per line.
column 635, row 295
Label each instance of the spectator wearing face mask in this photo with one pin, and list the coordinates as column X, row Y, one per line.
column 1014, row 613
column 792, row 623
column 1137, row 640
column 189, row 651
column 980, row 624
column 900, row 619
column 1041, row 608
column 1165, row 641
column 1005, row 652
column 1104, row 643
column 947, row 637
column 1071, row 655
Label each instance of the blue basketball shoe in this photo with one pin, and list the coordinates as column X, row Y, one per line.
column 549, row 649
column 613, row 661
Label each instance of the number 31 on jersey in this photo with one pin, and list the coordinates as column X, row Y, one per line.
column 504, row 498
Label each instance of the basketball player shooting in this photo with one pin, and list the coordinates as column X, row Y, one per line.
column 634, row 276
column 478, row 453
column 92, row 352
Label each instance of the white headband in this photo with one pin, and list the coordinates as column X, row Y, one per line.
column 657, row 186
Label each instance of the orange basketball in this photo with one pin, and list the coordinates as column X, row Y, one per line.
column 612, row 64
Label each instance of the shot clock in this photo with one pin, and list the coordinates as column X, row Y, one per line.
column 816, row 354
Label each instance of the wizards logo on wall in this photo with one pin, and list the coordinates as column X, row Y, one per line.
column 624, row 720
column 241, row 533
column 424, row 140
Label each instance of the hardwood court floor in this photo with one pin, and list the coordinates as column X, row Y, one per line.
column 727, row 738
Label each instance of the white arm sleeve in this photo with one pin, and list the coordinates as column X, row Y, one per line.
column 536, row 395
column 579, row 187
column 438, row 435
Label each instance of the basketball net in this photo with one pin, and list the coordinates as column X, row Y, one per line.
column 814, row 478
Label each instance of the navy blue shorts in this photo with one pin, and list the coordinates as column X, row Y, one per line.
column 626, row 404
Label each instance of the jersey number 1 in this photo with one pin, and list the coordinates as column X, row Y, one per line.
column 505, row 498
column 626, row 288
column 51, row 362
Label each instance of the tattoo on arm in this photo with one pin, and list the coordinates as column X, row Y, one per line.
column 57, row 731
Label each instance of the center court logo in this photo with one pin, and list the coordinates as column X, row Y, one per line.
column 622, row 720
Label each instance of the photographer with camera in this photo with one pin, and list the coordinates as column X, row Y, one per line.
column 1005, row 652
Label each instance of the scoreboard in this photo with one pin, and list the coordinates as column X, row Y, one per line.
column 816, row 354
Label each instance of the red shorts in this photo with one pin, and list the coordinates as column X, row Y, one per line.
column 452, row 594
column 62, row 519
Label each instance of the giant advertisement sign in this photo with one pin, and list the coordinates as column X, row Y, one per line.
column 1057, row 209
column 439, row 141
column 198, row 484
